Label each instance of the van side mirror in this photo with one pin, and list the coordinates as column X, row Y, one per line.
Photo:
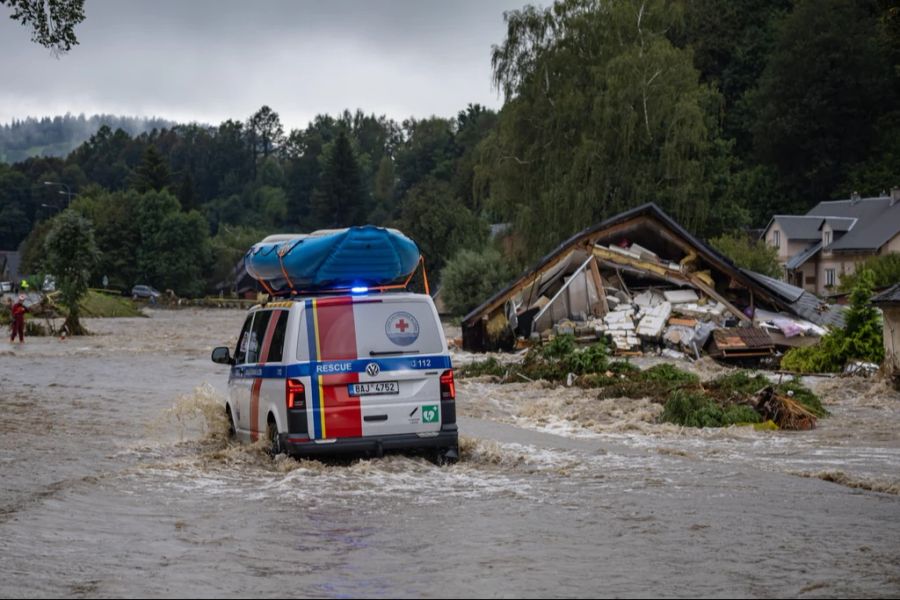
column 222, row 355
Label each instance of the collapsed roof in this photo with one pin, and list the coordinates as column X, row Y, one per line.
column 640, row 249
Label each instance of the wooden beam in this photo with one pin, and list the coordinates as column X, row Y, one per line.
column 696, row 282
column 598, row 283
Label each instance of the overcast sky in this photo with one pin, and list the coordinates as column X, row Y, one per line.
column 209, row 60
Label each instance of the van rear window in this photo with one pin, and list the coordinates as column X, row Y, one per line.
column 367, row 329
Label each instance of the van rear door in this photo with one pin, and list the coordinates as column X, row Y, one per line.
column 376, row 365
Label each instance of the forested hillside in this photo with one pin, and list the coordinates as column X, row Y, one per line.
column 57, row 136
column 723, row 112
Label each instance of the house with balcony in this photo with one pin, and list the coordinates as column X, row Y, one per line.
column 834, row 238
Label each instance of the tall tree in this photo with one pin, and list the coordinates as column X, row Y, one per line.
column 266, row 132
column 153, row 173
column 827, row 82
column 71, row 256
column 338, row 200
column 602, row 113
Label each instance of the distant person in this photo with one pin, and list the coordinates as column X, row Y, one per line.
column 18, row 320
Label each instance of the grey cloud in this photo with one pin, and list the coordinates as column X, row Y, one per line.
column 208, row 60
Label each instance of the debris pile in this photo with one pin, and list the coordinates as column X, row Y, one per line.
column 647, row 286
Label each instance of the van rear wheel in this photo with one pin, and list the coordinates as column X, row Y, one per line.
column 274, row 439
column 231, row 430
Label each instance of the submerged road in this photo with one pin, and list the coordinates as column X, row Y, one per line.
column 115, row 485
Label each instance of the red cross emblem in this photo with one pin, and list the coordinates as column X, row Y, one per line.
column 402, row 326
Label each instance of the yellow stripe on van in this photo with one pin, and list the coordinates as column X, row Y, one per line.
column 315, row 315
column 322, row 408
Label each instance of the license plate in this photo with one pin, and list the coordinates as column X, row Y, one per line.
column 373, row 388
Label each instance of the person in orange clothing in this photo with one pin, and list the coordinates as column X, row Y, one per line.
column 18, row 320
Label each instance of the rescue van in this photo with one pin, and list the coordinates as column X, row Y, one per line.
column 359, row 373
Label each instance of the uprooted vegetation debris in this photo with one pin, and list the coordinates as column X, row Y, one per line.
column 731, row 399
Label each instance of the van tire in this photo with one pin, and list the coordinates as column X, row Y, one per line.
column 232, row 432
column 274, row 439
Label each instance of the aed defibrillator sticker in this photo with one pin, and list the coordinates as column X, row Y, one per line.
column 402, row 328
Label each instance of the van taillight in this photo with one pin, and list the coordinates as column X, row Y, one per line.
column 448, row 388
column 295, row 394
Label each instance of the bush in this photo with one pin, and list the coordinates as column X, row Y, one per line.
column 748, row 253
column 861, row 338
column 490, row 366
column 695, row 409
column 471, row 277
column 885, row 270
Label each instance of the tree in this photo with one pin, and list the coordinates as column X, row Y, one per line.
column 731, row 41
column 153, row 174
column 471, row 277
column 52, row 22
column 827, row 82
column 603, row 113
column 265, row 131
column 338, row 200
column 749, row 253
column 71, row 256
column 439, row 222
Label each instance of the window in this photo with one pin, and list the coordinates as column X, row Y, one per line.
column 240, row 353
column 776, row 238
column 827, row 237
column 276, row 347
column 257, row 335
column 829, row 277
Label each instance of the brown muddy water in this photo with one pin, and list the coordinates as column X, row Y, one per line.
column 117, row 482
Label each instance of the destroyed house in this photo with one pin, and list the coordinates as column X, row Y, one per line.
column 642, row 280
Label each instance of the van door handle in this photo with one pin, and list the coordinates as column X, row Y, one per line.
column 375, row 418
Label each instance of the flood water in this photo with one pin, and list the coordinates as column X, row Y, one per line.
column 117, row 481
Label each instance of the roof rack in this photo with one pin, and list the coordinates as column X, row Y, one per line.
column 292, row 291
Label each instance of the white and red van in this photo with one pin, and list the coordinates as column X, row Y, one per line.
column 361, row 373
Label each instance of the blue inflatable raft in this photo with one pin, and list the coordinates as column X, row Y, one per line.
column 331, row 259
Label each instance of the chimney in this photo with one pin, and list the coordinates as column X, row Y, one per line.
column 895, row 195
column 854, row 197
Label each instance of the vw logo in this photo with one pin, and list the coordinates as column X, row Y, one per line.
column 372, row 369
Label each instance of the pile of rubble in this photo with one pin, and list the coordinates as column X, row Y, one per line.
column 681, row 316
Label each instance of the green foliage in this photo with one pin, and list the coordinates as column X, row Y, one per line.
column 804, row 396
column 153, row 172
column 490, row 366
column 439, row 222
column 338, row 199
column 860, row 339
column 814, row 118
column 71, row 255
column 559, row 347
column 884, row 269
column 748, row 253
column 603, row 113
column 667, row 373
column 737, row 384
column 695, row 409
column 52, row 22
column 471, row 277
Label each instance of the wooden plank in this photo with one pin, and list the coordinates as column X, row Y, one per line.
column 718, row 297
column 598, row 283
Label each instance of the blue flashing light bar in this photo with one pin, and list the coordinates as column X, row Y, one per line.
column 359, row 289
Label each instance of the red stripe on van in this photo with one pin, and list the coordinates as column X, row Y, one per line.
column 337, row 341
column 257, row 383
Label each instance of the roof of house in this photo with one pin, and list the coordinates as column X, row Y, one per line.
column 797, row 260
column 888, row 296
column 798, row 227
column 803, row 303
column 877, row 222
column 839, row 223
